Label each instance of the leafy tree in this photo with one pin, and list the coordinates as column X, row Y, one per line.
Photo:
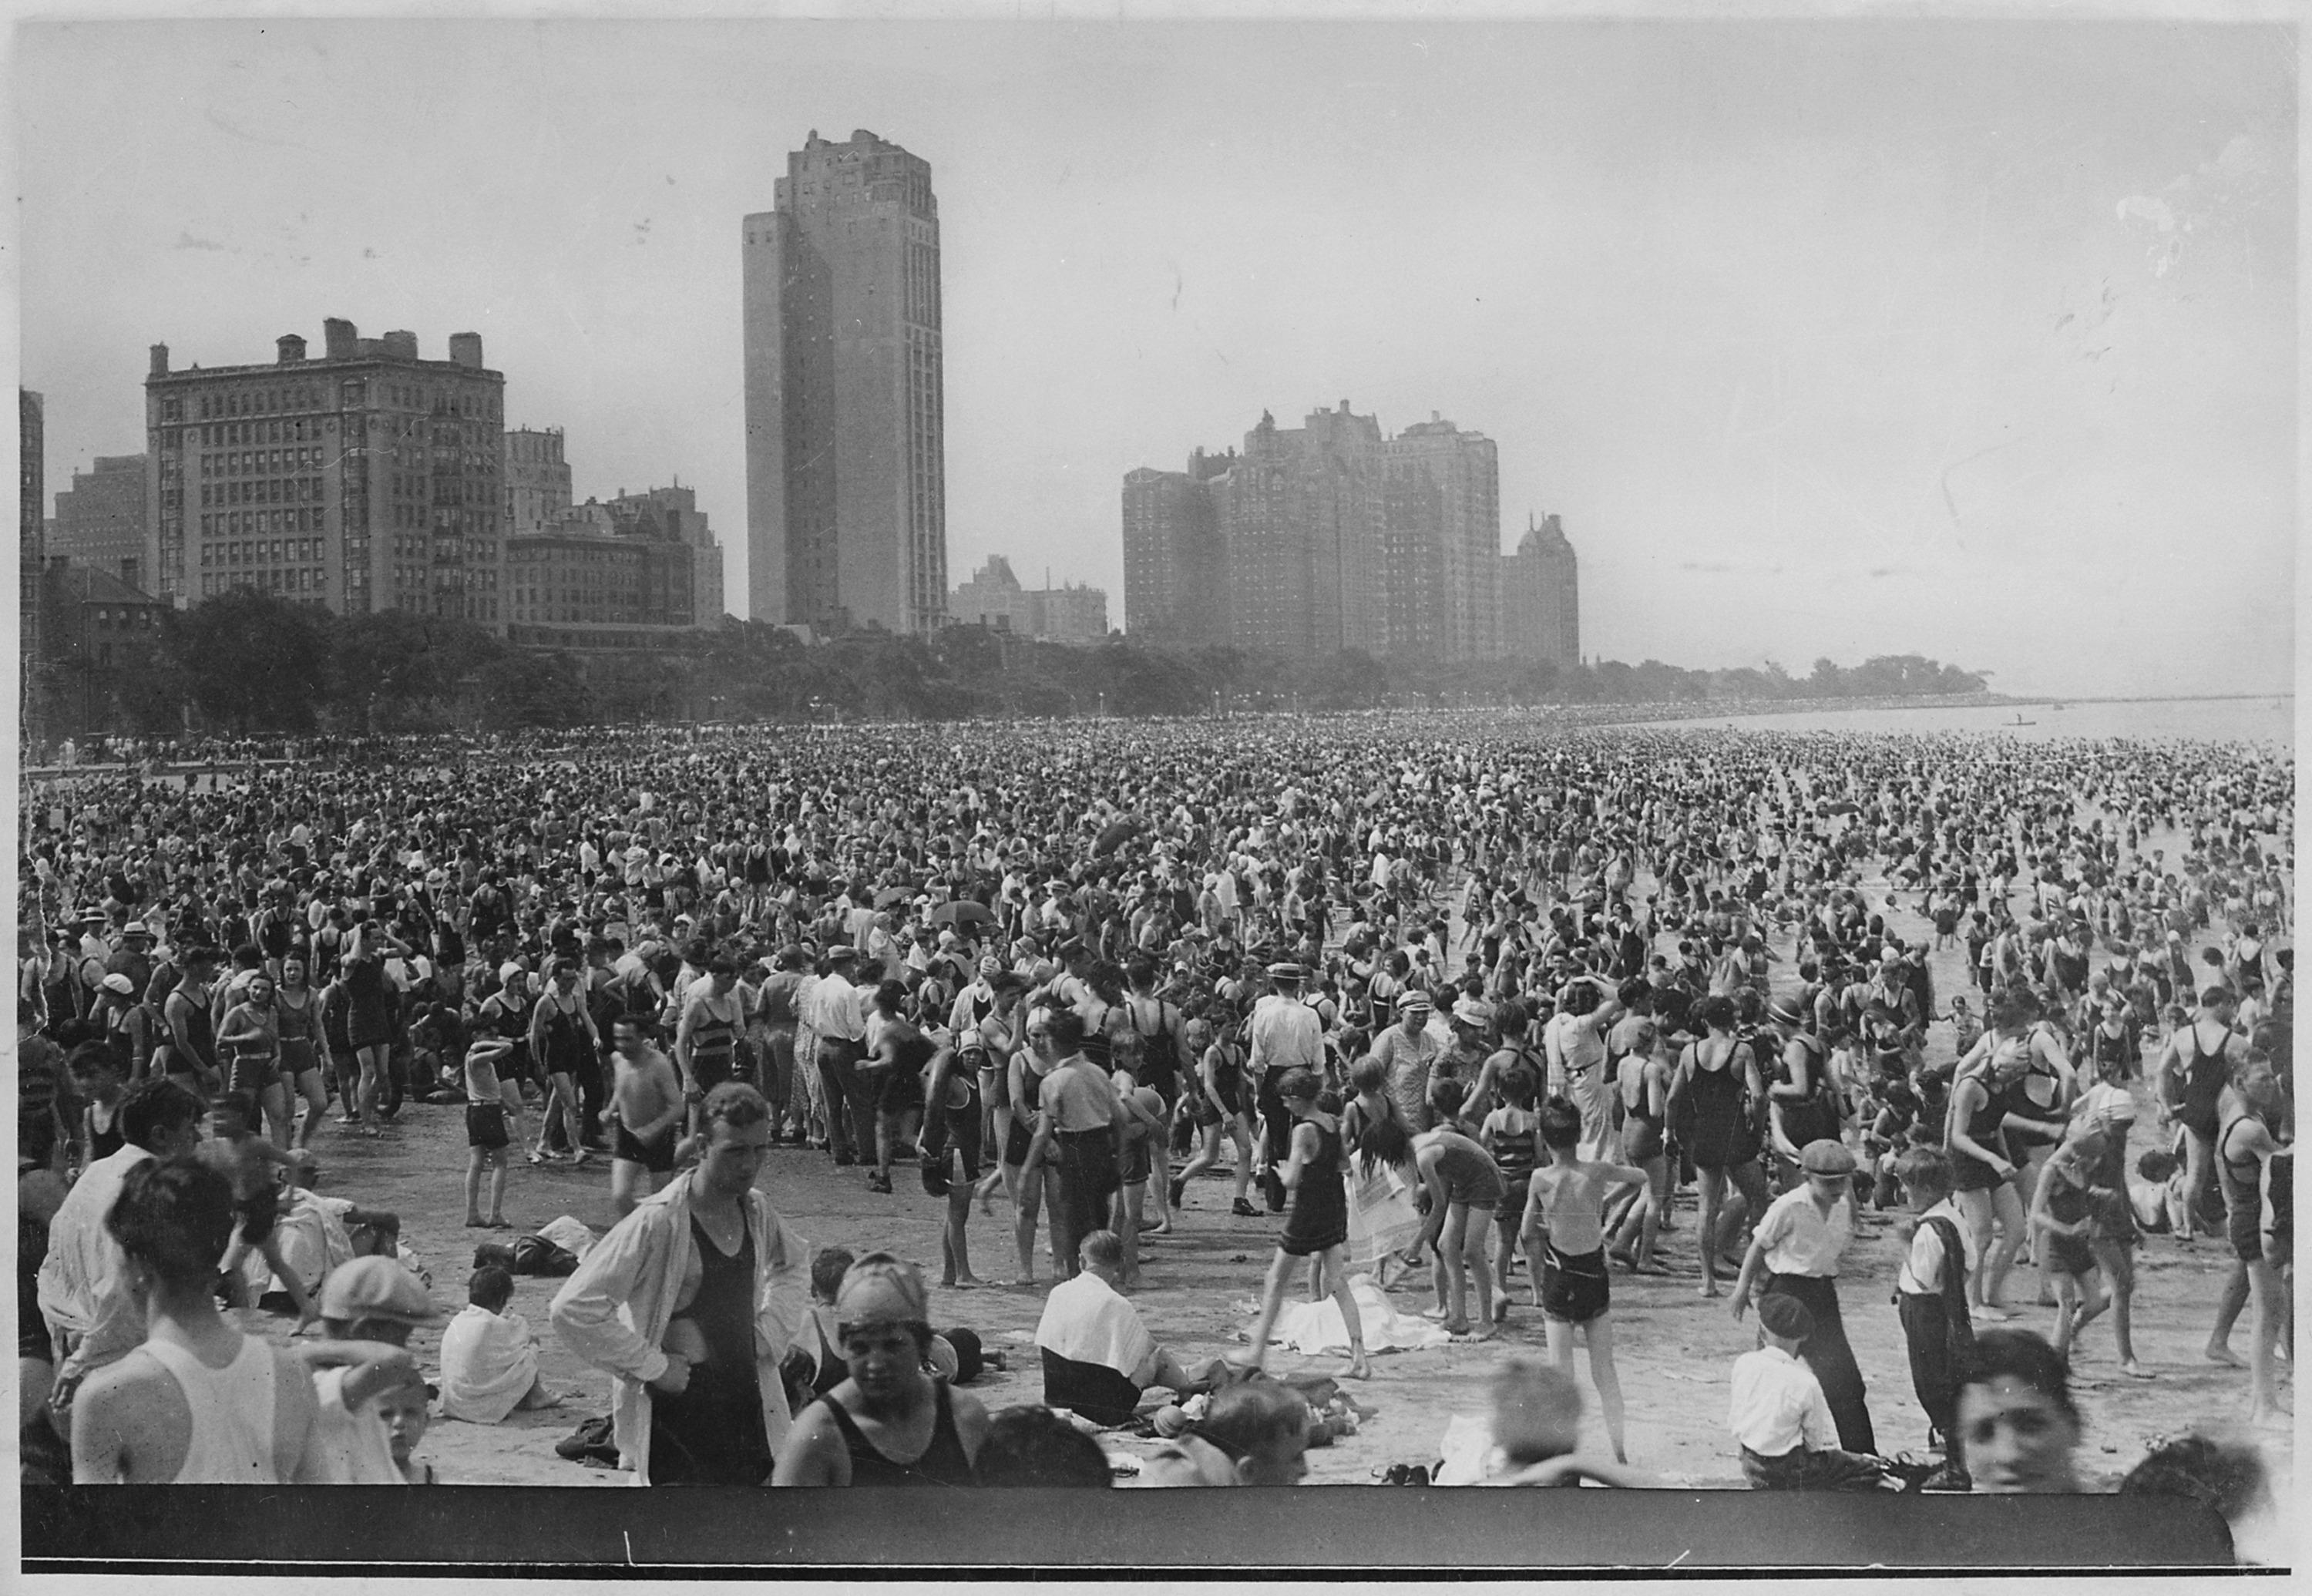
column 522, row 690
column 254, row 663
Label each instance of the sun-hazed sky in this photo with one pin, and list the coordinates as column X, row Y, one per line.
column 1968, row 339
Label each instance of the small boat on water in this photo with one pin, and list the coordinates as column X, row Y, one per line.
column 2019, row 721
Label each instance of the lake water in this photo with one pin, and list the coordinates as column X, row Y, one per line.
column 2215, row 720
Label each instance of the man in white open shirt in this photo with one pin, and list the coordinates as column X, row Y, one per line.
column 1780, row 1416
column 91, row 1310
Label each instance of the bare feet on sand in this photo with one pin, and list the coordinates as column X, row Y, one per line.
column 2217, row 1353
column 1357, row 1367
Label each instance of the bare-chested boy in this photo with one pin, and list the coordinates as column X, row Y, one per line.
column 1565, row 1246
column 248, row 1160
column 493, row 1121
column 646, row 1106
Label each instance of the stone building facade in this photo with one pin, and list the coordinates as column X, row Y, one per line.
column 366, row 479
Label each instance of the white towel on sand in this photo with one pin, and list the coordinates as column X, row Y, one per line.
column 1312, row 1328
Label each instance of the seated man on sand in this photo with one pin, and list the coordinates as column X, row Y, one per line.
column 489, row 1357
column 1099, row 1357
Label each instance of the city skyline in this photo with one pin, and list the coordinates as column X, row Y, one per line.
column 1968, row 339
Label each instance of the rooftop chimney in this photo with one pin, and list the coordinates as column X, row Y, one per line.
column 400, row 346
column 340, row 341
column 159, row 360
column 466, row 349
column 292, row 349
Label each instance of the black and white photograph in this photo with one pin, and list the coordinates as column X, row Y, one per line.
column 1186, row 750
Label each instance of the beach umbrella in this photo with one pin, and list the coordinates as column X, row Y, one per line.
column 891, row 895
column 962, row 912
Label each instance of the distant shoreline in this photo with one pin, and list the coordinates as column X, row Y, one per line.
column 1760, row 708
column 2146, row 698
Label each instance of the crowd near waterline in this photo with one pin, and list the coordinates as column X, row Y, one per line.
column 1489, row 1026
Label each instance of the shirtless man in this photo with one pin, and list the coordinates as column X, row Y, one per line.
column 1565, row 1244
column 237, row 1152
column 198, row 1403
column 646, row 1104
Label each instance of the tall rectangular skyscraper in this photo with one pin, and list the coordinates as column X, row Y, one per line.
column 847, row 499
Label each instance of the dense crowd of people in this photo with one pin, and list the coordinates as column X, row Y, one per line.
column 1468, row 1005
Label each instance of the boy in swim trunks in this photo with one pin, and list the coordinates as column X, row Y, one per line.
column 646, row 1106
column 248, row 1160
column 490, row 1100
column 1566, row 1247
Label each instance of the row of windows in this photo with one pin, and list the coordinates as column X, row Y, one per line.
column 308, row 519
column 277, row 579
column 250, row 462
column 262, row 490
column 262, row 551
column 104, row 615
column 260, row 401
column 227, row 432
column 584, row 556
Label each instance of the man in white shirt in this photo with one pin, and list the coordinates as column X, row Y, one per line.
column 1099, row 1357
column 92, row 1311
column 1408, row 1051
column 1779, row 1418
column 1574, row 1042
column 833, row 1009
column 1287, row 1035
column 1794, row 1252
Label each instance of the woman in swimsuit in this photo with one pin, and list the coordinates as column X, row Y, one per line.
column 298, row 1015
column 1982, row 1175
column 1644, row 1087
column 369, row 1020
column 998, row 1034
column 1025, row 1090
column 1224, row 1106
column 1318, row 1227
column 949, row 1148
column 1718, row 1077
column 251, row 1037
column 889, row 1422
column 1383, row 1222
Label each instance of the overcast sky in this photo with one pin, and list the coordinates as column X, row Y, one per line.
column 1974, row 339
